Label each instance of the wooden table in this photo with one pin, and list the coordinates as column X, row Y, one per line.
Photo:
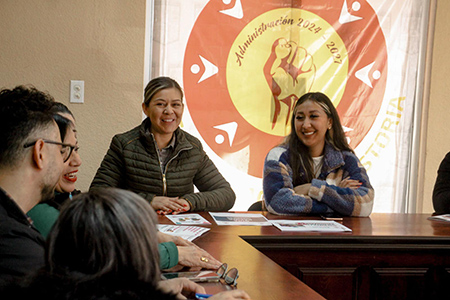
column 386, row 256
column 259, row 276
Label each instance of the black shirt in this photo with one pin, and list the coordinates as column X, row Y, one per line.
column 441, row 191
column 49, row 286
column 21, row 245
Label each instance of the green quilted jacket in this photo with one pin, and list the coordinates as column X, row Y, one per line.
column 132, row 163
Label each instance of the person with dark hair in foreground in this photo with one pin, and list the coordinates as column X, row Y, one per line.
column 31, row 161
column 104, row 246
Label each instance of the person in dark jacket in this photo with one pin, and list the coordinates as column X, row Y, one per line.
column 31, row 162
column 441, row 191
column 103, row 246
column 163, row 163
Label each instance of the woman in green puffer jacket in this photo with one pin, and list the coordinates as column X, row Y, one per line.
column 161, row 162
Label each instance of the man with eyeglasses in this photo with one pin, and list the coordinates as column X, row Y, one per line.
column 31, row 163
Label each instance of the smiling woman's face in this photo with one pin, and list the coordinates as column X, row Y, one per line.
column 68, row 178
column 165, row 111
column 311, row 125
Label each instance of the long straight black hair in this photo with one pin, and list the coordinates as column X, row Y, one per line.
column 299, row 152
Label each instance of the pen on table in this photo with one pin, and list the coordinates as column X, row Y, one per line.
column 202, row 296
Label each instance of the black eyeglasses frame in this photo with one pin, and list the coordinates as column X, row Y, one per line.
column 71, row 147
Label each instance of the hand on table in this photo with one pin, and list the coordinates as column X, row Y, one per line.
column 189, row 254
column 230, row 295
column 194, row 256
column 182, row 287
column 170, row 205
column 163, row 238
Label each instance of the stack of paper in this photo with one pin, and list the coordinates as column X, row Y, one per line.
column 440, row 218
column 188, row 219
column 240, row 219
column 309, row 225
column 248, row 220
column 186, row 232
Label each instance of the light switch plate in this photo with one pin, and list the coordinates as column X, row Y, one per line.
column 77, row 91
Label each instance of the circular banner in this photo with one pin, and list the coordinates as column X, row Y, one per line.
column 247, row 62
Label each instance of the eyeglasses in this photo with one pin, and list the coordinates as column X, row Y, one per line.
column 66, row 149
column 229, row 276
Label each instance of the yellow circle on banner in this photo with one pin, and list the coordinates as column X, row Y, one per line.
column 279, row 56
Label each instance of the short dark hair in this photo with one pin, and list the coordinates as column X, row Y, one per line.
column 157, row 84
column 106, row 232
column 24, row 111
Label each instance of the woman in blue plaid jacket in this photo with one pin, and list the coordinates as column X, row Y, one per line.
column 314, row 170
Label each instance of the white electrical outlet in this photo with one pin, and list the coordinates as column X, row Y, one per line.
column 77, row 91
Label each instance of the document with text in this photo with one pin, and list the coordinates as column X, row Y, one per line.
column 186, row 232
column 309, row 225
column 188, row 219
column 240, row 219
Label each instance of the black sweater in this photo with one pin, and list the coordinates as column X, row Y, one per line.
column 441, row 192
column 48, row 286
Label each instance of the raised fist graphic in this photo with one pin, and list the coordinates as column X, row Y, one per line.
column 290, row 73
